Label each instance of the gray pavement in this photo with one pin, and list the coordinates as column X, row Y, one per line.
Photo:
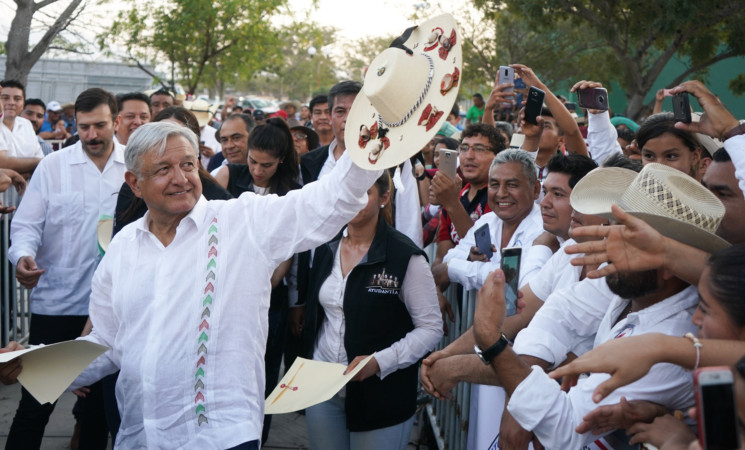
column 288, row 430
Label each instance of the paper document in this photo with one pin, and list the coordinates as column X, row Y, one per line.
column 308, row 383
column 50, row 369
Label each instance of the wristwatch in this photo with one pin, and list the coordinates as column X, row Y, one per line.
column 490, row 353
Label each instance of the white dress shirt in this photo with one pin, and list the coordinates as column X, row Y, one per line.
column 22, row 141
column 56, row 225
column 567, row 317
column 189, row 334
column 602, row 137
column 408, row 209
column 735, row 147
column 539, row 405
column 418, row 294
column 472, row 274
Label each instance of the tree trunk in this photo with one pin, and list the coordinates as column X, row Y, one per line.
column 20, row 60
column 18, row 64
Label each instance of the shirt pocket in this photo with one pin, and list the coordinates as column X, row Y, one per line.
column 66, row 209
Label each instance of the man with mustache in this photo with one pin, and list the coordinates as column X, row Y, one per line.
column 54, row 239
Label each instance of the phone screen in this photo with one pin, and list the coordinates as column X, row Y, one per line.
column 719, row 416
column 511, row 269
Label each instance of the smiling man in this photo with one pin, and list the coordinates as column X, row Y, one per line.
column 54, row 235
column 480, row 144
column 169, row 280
column 515, row 221
column 134, row 111
column 23, row 151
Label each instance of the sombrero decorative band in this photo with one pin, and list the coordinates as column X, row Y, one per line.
column 670, row 201
column 418, row 102
column 658, row 193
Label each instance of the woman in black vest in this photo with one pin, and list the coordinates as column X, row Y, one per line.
column 370, row 291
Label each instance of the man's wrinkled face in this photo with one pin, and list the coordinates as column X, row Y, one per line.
column 342, row 105
column 511, row 194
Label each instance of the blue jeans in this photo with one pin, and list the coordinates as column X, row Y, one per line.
column 327, row 430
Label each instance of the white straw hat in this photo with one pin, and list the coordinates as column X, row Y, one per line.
column 667, row 199
column 408, row 93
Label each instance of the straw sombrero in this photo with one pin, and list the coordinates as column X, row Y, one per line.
column 667, row 199
column 408, row 92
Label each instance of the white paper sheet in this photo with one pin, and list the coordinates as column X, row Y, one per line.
column 50, row 369
column 308, row 383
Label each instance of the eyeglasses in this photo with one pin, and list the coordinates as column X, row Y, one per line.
column 300, row 135
column 478, row 148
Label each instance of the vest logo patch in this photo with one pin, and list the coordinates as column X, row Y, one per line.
column 383, row 283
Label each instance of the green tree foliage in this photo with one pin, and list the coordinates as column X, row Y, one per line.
column 206, row 41
column 642, row 36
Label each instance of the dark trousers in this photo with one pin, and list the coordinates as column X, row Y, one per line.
column 31, row 417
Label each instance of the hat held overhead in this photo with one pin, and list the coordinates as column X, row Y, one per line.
column 407, row 90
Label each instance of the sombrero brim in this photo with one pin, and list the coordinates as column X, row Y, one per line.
column 409, row 138
column 104, row 231
column 597, row 191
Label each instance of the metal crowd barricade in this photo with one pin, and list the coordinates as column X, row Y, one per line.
column 449, row 417
column 15, row 303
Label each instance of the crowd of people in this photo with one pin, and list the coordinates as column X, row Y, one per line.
column 248, row 241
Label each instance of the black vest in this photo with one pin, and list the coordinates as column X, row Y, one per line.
column 375, row 319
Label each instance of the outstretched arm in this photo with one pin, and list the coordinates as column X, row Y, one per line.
column 573, row 139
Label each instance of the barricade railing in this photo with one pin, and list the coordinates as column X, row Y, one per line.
column 15, row 303
column 449, row 417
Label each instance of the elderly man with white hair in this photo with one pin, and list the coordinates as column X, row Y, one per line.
column 181, row 296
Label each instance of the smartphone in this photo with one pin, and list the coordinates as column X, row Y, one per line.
column 534, row 105
column 593, row 98
column 571, row 106
column 716, row 408
column 507, row 76
column 448, row 162
column 483, row 240
column 511, row 268
column 682, row 107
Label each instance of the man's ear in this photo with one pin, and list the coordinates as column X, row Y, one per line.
column 117, row 121
column 536, row 190
column 133, row 183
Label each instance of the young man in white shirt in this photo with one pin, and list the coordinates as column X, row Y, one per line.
column 24, row 152
column 53, row 238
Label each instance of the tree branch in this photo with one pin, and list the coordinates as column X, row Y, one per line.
column 720, row 57
column 43, row 3
column 60, row 24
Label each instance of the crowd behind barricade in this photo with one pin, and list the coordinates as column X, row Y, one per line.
column 598, row 245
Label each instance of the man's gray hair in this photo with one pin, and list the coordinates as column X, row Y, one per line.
column 517, row 156
column 152, row 137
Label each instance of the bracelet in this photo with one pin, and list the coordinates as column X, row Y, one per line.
column 740, row 129
column 697, row 344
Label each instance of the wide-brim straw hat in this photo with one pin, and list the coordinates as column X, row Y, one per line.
column 202, row 111
column 670, row 201
column 406, row 97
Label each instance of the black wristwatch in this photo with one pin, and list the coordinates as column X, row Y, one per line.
column 490, row 353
